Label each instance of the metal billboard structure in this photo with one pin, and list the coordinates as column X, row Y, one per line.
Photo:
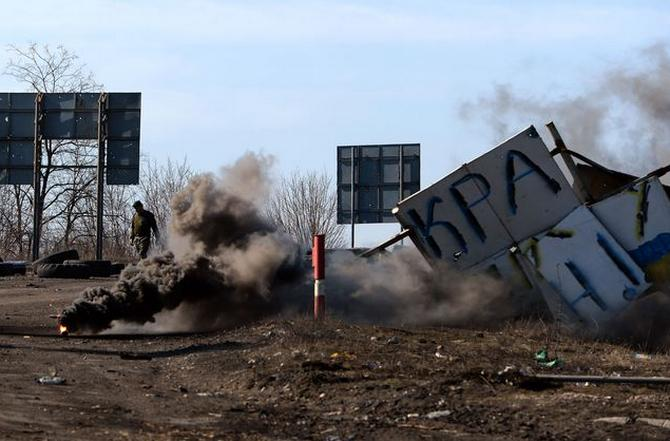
column 371, row 179
column 27, row 120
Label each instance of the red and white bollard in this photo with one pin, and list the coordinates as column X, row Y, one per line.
column 319, row 265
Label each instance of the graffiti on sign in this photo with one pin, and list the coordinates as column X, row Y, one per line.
column 501, row 198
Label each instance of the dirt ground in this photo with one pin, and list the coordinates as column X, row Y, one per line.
column 292, row 379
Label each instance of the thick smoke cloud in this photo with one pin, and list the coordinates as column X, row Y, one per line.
column 226, row 258
column 402, row 288
column 228, row 266
column 623, row 120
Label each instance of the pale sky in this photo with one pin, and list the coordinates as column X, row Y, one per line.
column 297, row 78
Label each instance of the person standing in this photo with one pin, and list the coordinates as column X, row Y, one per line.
column 144, row 222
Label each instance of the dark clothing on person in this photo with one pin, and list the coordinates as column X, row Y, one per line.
column 144, row 222
column 142, row 244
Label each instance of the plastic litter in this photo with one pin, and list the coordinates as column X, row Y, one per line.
column 51, row 380
column 542, row 358
column 438, row 414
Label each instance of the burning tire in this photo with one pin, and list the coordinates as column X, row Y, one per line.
column 63, row 271
column 96, row 268
column 59, row 257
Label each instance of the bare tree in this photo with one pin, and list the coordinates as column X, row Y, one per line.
column 64, row 192
column 160, row 182
column 304, row 204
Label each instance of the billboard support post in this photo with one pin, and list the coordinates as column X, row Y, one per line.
column 102, row 139
column 37, row 170
column 353, row 220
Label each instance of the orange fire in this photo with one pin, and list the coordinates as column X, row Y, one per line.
column 62, row 329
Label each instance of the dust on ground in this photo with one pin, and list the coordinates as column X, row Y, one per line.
column 290, row 378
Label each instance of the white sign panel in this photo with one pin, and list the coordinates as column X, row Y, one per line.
column 639, row 218
column 598, row 280
column 501, row 198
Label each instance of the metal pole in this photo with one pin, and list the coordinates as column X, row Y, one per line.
column 597, row 379
column 580, row 188
column 353, row 221
column 37, row 170
column 387, row 243
column 402, row 179
column 319, row 265
column 102, row 139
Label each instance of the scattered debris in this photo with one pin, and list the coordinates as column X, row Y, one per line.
column 514, row 376
column 542, row 359
column 614, row 420
column 439, row 354
column 438, row 414
column 657, row 422
column 51, row 380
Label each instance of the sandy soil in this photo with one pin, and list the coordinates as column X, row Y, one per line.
column 289, row 378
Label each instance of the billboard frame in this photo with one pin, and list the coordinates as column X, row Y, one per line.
column 76, row 104
column 355, row 159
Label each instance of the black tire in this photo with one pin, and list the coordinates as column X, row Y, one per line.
column 59, row 257
column 117, row 267
column 12, row 268
column 97, row 268
column 19, row 268
column 63, row 271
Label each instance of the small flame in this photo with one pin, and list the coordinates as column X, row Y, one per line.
column 62, row 329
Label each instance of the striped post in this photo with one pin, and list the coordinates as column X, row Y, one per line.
column 319, row 265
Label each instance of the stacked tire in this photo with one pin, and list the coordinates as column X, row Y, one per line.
column 53, row 266
column 117, row 267
column 66, row 265
column 96, row 268
column 12, row 268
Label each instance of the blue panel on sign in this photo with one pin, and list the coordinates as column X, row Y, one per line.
column 86, row 125
column 21, row 154
column 22, row 101
column 391, row 171
column 123, row 153
column 16, row 163
column 123, row 124
column 4, row 101
column 410, row 171
column 22, row 125
column 20, row 176
column 123, row 162
column 87, row 101
column 368, row 199
column 58, row 125
column 122, row 101
column 122, row 176
column 58, row 101
column 4, row 154
column 4, row 125
column 369, row 171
